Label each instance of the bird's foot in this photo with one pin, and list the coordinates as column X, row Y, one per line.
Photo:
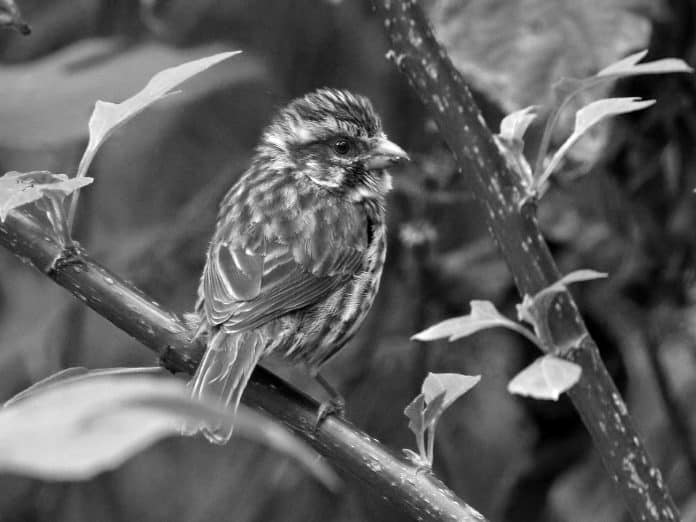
column 334, row 406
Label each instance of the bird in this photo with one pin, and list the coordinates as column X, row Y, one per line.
column 299, row 245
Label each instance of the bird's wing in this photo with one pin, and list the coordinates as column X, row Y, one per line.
column 244, row 289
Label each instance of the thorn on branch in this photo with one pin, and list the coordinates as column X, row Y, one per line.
column 528, row 205
column 70, row 256
column 175, row 360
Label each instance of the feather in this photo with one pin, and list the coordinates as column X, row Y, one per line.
column 294, row 242
column 248, row 282
column 224, row 373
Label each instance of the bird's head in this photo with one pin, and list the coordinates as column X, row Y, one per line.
column 334, row 138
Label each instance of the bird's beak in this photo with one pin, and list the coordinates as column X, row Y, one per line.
column 384, row 153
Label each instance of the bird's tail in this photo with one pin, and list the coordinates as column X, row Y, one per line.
column 223, row 374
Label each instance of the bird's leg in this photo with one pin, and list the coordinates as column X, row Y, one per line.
column 336, row 404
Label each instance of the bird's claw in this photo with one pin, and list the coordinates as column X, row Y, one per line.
column 335, row 406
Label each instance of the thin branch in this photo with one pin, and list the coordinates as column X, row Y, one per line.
column 418, row 493
column 514, row 227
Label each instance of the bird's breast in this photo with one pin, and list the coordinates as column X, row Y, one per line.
column 345, row 310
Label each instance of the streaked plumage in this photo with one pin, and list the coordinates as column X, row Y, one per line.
column 298, row 250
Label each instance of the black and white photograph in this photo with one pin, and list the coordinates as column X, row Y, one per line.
column 347, row 260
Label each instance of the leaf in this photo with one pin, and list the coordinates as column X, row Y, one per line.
column 108, row 116
column 62, row 87
column 67, row 373
column 452, row 385
column 623, row 64
column 483, row 315
column 584, row 274
column 576, row 276
column 594, row 112
column 545, row 378
column 77, row 372
column 629, row 66
column 590, row 115
column 252, row 425
column 79, row 427
column 510, row 142
column 514, row 125
column 514, row 51
column 414, row 412
column 20, row 188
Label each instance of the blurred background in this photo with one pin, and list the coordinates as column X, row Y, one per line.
column 624, row 205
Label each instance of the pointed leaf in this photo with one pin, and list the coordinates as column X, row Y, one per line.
column 414, row 412
column 584, row 274
column 594, row 112
column 65, row 84
column 514, row 125
column 82, row 426
column 108, row 116
column 452, row 385
column 629, row 66
column 576, row 276
column 20, row 188
column 492, row 44
column 590, row 115
column 623, row 64
column 545, row 378
column 483, row 315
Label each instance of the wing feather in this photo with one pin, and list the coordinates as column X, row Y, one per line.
column 244, row 291
column 258, row 271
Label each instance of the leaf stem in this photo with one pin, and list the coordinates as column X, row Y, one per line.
column 431, row 443
column 528, row 334
column 555, row 160
column 552, row 120
column 420, row 440
column 546, row 136
column 82, row 169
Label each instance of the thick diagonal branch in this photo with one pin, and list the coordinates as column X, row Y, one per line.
column 513, row 225
column 418, row 493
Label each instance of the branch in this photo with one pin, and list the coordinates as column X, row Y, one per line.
column 512, row 222
column 419, row 493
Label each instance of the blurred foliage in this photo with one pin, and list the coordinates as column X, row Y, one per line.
column 12, row 18
column 150, row 211
column 516, row 51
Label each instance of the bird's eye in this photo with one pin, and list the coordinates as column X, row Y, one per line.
column 341, row 147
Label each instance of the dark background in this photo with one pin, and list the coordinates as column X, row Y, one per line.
column 625, row 206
